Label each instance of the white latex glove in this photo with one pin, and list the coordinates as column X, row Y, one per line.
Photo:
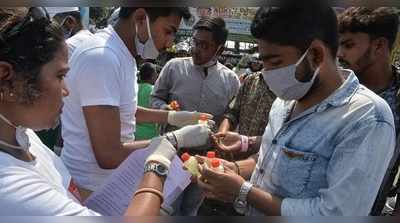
column 162, row 151
column 192, row 136
column 183, row 118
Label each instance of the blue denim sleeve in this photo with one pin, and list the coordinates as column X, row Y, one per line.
column 354, row 173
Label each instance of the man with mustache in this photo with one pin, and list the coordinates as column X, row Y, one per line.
column 366, row 40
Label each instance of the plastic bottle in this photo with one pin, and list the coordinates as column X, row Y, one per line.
column 191, row 164
column 210, row 156
column 217, row 166
column 203, row 119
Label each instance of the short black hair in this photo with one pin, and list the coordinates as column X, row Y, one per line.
column 75, row 14
column 146, row 71
column 297, row 25
column 155, row 12
column 379, row 22
column 215, row 25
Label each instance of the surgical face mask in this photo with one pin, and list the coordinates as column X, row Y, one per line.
column 20, row 135
column 147, row 50
column 283, row 82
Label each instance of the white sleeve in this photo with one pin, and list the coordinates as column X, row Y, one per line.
column 99, row 78
column 25, row 193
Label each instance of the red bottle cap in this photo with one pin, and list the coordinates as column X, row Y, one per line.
column 210, row 154
column 185, row 157
column 215, row 163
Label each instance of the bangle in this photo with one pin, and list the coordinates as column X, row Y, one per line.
column 244, row 143
column 150, row 190
column 237, row 167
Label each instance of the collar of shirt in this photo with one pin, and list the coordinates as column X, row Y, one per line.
column 343, row 94
column 340, row 97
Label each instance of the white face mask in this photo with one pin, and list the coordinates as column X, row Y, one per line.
column 20, row 135
column 147, row 50
column 283, row 82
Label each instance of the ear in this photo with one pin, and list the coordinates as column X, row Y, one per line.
column 381, row 46
column 139, row 19
column 71, row 22
column 318, row 53
column 6, row 72
column 139, row 16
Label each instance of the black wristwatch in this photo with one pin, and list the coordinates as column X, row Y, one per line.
column 156, row 168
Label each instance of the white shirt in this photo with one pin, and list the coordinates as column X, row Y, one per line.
column 38, row 188
column 103, row 72
column 77, row 39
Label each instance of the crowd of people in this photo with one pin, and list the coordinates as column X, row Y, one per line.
column 308, row 128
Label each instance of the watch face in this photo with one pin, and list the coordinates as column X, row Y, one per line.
column 161, row 169
column 240, row 206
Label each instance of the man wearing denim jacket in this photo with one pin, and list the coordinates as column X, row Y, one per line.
column 329, row 139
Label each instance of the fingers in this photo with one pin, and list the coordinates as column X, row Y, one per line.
column 203, row 185
column 208, row 173
column 228, row 170
column 209, row 116
column 200, row 159
column 220, row 134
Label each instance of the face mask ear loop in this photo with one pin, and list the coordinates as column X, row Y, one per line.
column 148, row 27
column 302, row 57
column 6, row 120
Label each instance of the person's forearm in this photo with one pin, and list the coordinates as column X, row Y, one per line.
column 264, row 202
column 157, row 103
column 113, row 159
column 225, row 126
column 147, row 204
column 247, row 166
column 135, row 145
column 147, row 115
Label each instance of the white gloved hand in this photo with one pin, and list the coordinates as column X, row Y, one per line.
column 183, row 118
column 162, row 152
column 192, row 136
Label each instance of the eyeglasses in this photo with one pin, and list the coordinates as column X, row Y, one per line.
column 200, row 44
column 34, row 14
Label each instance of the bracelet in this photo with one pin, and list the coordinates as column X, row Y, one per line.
column 150, row 190
column 244, row 143
column 237, row 167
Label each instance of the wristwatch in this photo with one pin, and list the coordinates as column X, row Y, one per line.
column 157, row 168
column 240, row 203
column 172, row 139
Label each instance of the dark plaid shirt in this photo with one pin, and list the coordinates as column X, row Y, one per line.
column 249, row 110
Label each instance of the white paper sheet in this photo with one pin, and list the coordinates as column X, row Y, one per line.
column 113, row 198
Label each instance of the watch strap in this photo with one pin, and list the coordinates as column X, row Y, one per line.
column 153, row 167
